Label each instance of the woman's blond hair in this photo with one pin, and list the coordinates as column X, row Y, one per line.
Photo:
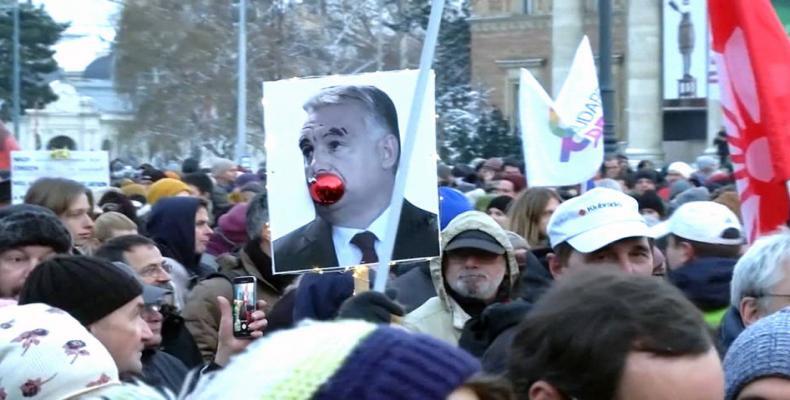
column 109, row 222
column 525, row 213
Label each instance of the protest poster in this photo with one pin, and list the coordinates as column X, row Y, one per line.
column 356, row 145
column 563, row 139
column 91, row 168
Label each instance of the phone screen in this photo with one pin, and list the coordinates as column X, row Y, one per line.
column 244, row 299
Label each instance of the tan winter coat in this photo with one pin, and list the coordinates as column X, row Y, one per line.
column 441, row 316
column 201, row 313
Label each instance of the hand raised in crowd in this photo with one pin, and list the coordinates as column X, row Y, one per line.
column 371, row 306
column 227, row 344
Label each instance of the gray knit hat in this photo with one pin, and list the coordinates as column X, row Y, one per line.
column 31, row 225
column 678, row 187
column 707, row 162
column 694, row 194
column 761, row 351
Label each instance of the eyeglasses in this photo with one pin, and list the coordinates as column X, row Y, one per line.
column 107, row 207
column 153, row 270
column 152, row 308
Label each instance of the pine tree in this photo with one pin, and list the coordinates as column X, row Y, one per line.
column 459, row 110
column 468, row 126
column 38, row 32
column 494, row 138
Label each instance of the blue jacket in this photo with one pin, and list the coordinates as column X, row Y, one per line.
column 705, row 281
column 731, row 327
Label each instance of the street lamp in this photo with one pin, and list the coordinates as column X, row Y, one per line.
column 241, row 94
column 17, row 108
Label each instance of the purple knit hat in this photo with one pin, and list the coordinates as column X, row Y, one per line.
column 231, row 232
column 244, row 179
column 394, row 365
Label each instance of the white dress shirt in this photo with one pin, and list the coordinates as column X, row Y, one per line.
column 349, row 254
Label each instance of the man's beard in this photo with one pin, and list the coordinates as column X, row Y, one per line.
column 474, row 286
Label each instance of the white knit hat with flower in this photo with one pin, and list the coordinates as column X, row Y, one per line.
column 47, row 354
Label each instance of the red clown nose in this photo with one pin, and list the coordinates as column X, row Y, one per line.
column 326, row 189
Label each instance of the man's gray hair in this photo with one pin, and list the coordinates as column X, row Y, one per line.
column 761, row 268
column 221, row 165
column 257, row 215
column 380, row 109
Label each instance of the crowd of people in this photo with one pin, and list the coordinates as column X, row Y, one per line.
column 640, row 285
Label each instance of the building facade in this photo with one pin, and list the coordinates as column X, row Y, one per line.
column 87, row 115
column 542, row 36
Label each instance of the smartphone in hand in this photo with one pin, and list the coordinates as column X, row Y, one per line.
column 244, row 304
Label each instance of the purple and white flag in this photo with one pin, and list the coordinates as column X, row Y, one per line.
column 563, row 139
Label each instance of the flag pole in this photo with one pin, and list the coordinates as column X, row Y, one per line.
column 520, row 106
column 426, row 60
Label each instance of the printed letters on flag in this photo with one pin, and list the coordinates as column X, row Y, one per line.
column 563, row 139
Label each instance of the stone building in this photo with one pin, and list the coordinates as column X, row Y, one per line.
column 86, row 116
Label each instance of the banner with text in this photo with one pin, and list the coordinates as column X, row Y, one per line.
column 91, row 168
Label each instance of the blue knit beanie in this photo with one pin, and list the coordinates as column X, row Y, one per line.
column 416, row 366
column 761, row 351
column 348, row 359
column 451, row 203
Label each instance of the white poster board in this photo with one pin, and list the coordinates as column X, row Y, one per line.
column 91, row 168
column 290, row 205
column 685, row 49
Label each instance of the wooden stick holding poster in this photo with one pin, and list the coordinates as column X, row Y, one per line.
column 361, row 279
column 426, row 61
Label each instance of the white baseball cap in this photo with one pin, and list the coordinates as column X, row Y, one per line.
column 595, row 219
column 701, row 221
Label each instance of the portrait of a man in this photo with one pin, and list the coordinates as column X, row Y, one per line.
column 351, row 133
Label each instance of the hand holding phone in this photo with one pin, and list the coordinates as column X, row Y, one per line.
column 228, row 344
column 244, row 304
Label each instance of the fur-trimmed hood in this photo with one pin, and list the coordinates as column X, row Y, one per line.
column 472, row 220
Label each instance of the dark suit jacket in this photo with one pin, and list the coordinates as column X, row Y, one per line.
column 311, row 245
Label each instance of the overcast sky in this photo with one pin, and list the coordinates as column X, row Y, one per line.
column 90, row 34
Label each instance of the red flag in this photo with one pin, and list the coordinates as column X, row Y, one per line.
column 752, row 53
